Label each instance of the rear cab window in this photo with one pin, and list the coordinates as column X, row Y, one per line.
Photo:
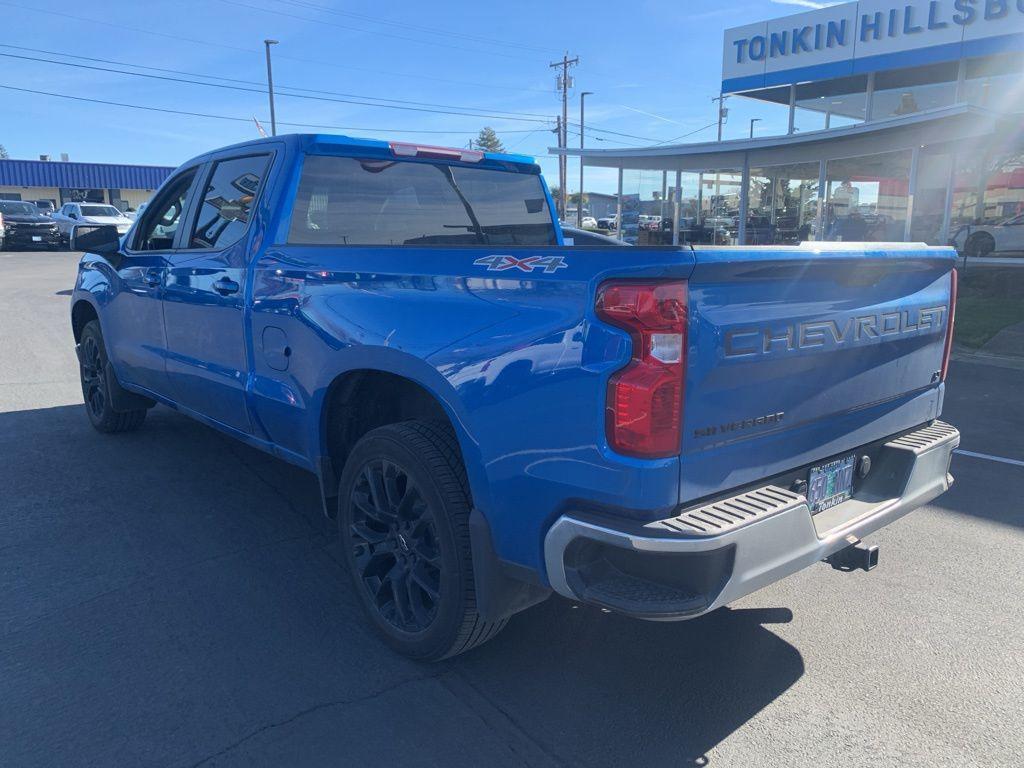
column 351, row 201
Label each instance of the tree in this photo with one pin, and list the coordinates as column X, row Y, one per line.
column 3, row 153
column 488, row 140
column 556, row 193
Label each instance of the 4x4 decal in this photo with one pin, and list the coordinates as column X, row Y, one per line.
column 504, row 262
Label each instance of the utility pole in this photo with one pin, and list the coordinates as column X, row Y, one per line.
column 579, row 203
column 270, row 87
column 564, row 84
column 722, row 112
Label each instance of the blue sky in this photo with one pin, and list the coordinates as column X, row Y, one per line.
column 653, row 66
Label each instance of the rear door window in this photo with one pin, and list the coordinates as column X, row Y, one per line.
column 347, row 201
column 228, row 202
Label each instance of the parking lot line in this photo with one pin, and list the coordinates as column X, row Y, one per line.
column 990, row 457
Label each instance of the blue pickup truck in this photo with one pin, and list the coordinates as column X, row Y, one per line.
column 494, row 415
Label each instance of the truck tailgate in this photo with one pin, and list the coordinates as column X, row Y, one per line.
column 797, row 354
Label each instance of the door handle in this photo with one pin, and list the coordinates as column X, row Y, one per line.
column 225, row 287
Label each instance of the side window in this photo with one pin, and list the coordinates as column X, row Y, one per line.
column 160, row 223
column 228, row 201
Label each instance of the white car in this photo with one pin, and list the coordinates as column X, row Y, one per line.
column 985, row 239
column 588, row 222
column 72, row 215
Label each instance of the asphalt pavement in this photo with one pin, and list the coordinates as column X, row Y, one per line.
column 173, row 598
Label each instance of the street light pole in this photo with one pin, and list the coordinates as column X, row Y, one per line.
column 579, row 202
column 270, row 87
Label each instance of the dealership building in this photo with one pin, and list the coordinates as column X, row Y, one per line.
column 124, row 186
column 904, row 124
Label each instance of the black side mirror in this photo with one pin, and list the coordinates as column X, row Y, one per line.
column 102, row 240
column 72, row 215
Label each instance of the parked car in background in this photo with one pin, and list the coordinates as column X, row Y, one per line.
column 24, row 227
column 608, row 222
column 130, row 213
column 583, row 237
column 986, row 239
column 589, row 222
column 46, row 207
column 74, row 215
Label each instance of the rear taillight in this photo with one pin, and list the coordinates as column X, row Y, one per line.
column 950, row 318
column 644, row 412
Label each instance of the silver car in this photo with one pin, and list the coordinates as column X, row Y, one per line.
column 73, row 215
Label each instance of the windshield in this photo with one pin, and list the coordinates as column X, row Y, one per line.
column 344, row 201
column 100, row 210
column 13, row 208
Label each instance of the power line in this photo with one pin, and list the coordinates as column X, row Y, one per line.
column 303, row 60
column 612, row 133
column 225, row 86
column 415, row 27
column 691, row 133
column 251, row 82
column 602, row 138
column 437, row 43
column 208, row 115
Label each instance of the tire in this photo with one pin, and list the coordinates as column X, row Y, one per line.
column 403, row 517
column 980, row 245
column 92, row 369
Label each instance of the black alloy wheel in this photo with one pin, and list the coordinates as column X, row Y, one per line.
column 94, row 383
column 403, row 524
column 99, row 405
column 395, row 546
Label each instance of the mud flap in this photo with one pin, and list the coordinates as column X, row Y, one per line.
column 498, row 594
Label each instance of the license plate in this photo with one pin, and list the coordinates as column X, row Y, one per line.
column 831, row 484
column 37, row 239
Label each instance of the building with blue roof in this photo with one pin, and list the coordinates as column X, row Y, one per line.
column 124, row 186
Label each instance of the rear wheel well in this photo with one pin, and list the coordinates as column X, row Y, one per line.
column 360, row 401
column 82, row 313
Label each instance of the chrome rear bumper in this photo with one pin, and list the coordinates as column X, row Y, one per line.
column 713, row 554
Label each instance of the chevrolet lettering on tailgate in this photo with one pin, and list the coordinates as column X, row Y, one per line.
column 741, row 342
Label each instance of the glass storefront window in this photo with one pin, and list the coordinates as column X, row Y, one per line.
column 783, row 205
column 995, row 83
column 831, row 104
column 988, row 202
column 646, row 210
column 907, row 91
column 867, row 197
column 930, row 198
column 720, row 207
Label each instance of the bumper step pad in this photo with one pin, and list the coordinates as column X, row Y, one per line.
column 640, row 597
column 924, row 439
column 721, row 516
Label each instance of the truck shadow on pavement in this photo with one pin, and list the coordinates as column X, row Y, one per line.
column 173, row 597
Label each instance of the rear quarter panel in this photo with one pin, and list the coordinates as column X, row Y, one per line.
column 517, row 360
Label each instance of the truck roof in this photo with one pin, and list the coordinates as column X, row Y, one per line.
column 305, row 142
